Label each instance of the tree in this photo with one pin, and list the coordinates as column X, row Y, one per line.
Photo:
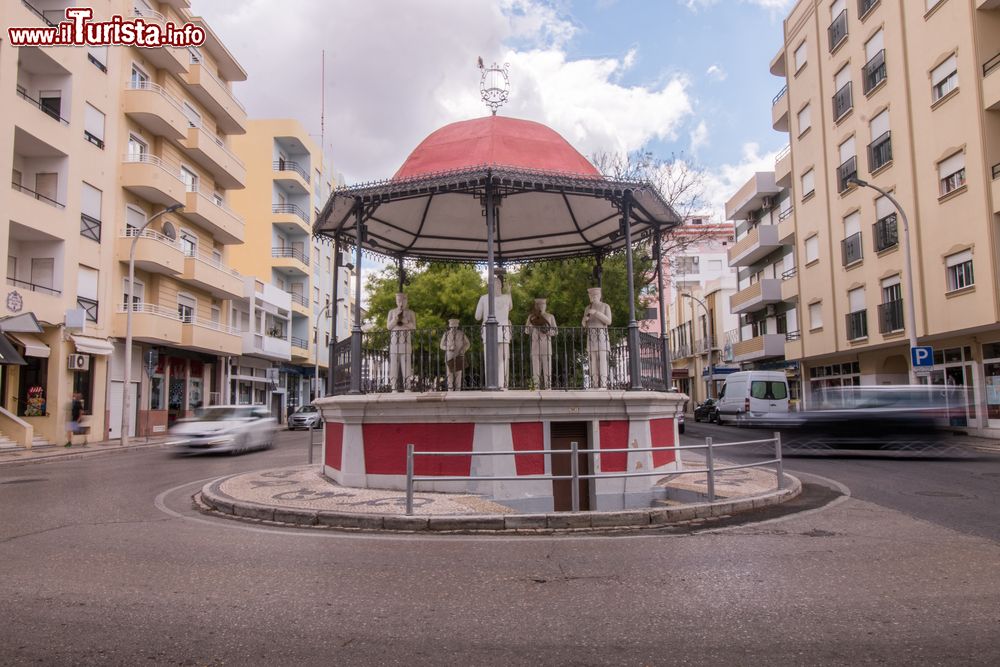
column 436, row 292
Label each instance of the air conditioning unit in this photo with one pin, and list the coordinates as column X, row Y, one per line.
column 78, row 362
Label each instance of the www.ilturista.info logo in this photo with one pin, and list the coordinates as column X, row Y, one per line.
column 79, row 30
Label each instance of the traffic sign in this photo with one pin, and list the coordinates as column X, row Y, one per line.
column 922, row 356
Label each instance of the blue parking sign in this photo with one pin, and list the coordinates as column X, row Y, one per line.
column 922, row 356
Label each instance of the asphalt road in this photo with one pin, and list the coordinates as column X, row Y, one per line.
column 104, row 562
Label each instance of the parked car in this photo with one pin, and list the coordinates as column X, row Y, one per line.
column 305, row 417
column 753, row 398
column 706, row 411
column 232, row 429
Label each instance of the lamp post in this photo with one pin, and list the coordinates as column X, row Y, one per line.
column 910, row 307
column 129, row 307
column 319, row 323
column 708, row 330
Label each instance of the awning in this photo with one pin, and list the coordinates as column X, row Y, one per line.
column 32, row 346
column 24, row 322
column 96, row 346
column 8, row 355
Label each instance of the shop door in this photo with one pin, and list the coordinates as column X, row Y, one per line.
column 175, row 399
column 563, row 435
column 115, row 408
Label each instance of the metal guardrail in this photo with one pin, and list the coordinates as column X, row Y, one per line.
column 37, row 195
column 991, row 64
column 34, row 10
column 781, row 93
column 880, row 151
column 874, row 72
column 837, row 31
column 782, row 154
column 574, row 477
column 299, row 342
column 48, row 111
column 90, row 227
column 293, row 209
column 864, row 6
column 843, row 101
column 996, row 171
column 294, row 253
column 32, row 287
column 291, row 165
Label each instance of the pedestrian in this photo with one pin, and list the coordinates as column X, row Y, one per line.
column 75, row 411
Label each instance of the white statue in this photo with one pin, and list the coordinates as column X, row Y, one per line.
column 596, row 319
column 401, row 322
column 501, row 307
column 455, row 344
column 541, row 327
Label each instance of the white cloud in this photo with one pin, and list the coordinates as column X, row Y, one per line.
column 772, row 5
column 699, row 137
column 397, row 70
column 716, row 73
column 723, row 182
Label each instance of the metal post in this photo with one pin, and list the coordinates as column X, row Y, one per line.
column 331, row 381
column 356, row 329
column 409, row 479
column 710, row 464
column 777, row 454
column 574, row 466
column 668, row 371
column 492, row 362
column 312, row 425
column 635, row 379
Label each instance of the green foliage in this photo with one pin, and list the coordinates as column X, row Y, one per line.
column 436, row 293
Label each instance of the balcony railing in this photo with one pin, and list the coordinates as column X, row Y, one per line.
column 991, row 64
column 89, row 307
column 300, row 299
column 781, row 94
column 48, row 111
column 890, row 316
column 209, row 324
column 300, row 342
column 294, row 253
column 159, row 90
column 793, row 335
column 90, row 228
column 214, row 262
column 287, row 165
column 97, row 63
column 32, row 287
column 37, row 12
column 94, row 139
column 782, row 154
column 874, row 72
column 843, row 101
column 789, row 274
column 845, row 172
column 276, row 332
column 851, row 249
column 884, row 233
column 783, row 215
column 857, row 325
column 880, row 151
column 838, row 30
column 37, row 195
column 155, row 160
column 864, row 6
column 152, row 309
column 996, row 171
column 151, row 234
column 207, row 71
column 292, row 209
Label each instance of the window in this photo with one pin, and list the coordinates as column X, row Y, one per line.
column 804, row 120
column 812, row 249
column 880, row 148
column 93, row 125
column 51, row 102
column 815, row 316
column 944, row 78
column 857, row 314
column 715, row 265
column 851, row 245
column 218, row 199
column 874, row 71
column 808, row 183
column 800, row 56
column 959, row 270
column 885, row 233
column 190, row 179
column 137, row 148
column 138, row 294
column 86, row 292
column 186, row 307
column 837, row 31
column 686, row 265
column 843, row 99
column 189, row 243
column 134, row 218
column 951, row 173
column 316, row 296
column 90, row 212
column 768, row 390
column 194, row 54
column 138, row 79
column 194, row 118
column 890, row 311
column 848, row 168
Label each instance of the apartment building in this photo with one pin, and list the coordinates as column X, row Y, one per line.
column 99, row 142
column 766, row 334
column 288, row 184
column 904, row 94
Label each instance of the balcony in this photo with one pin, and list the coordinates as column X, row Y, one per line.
column 783, row 167
column 291, row 176
column 851, row 250
column 290, row 218
column 793, row 346
column 756, row 296
column 229, row 114
column 153, row 179
column 885, row 235
column 759, row 347
column 291, row 260
column 300, row 303
column 168, row 58
column 845, row 172
column 42, row 121
column 991, row 83
column 789, row 286
column 270, row 347
column 224, row 224
column 890, row 316
column 995, row 186
column 212, row 153
column 759, row 242
column 154, row 252
column 874, row 72
column 752, row 196
column 786, row 226
column 211, row 275
column 45, row 302
column 151, row 323
column 880, row 152
column 152, row 107
column 857, row 325
column 865, row 6
column 837, row 30
column 779, row 111
column 843, row 101
column 300, row 349
column 211, row 337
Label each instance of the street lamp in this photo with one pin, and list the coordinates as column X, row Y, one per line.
column 129, row 307
column 911, row 311
column 319, row 320
column 708, row 331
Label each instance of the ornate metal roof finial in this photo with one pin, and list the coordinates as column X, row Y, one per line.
column 494, row 85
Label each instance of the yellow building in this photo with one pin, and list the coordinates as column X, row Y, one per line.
column 904, row 94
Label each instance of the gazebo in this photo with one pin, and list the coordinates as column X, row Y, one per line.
column 498, row 191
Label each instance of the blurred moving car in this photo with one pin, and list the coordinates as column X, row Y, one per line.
column 706, row 411
column 232, row 429
column 305, row 417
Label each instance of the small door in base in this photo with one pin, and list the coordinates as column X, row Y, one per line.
column 563, row 434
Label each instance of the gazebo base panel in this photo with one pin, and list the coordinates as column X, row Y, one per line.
column 366, row 438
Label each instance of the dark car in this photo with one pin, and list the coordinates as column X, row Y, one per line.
column 707, row 411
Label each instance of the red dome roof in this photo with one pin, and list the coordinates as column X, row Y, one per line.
column 494, row 141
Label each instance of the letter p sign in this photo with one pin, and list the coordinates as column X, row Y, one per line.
column 922, row 356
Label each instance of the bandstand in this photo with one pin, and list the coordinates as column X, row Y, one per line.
column 498, row 191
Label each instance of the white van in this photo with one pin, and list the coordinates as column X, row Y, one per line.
column 748, row 397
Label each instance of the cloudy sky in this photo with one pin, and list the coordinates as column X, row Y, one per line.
column 675, row 76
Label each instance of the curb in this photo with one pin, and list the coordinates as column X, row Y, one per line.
column 81, row 452
column 211, row 500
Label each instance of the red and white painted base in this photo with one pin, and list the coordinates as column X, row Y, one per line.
column 366, row 439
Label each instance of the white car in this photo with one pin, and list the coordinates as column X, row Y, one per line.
column 231, row 429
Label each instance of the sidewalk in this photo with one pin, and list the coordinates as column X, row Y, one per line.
column 53, row 452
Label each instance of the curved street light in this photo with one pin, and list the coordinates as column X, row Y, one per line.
column 129, row 307
column 708, row 329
